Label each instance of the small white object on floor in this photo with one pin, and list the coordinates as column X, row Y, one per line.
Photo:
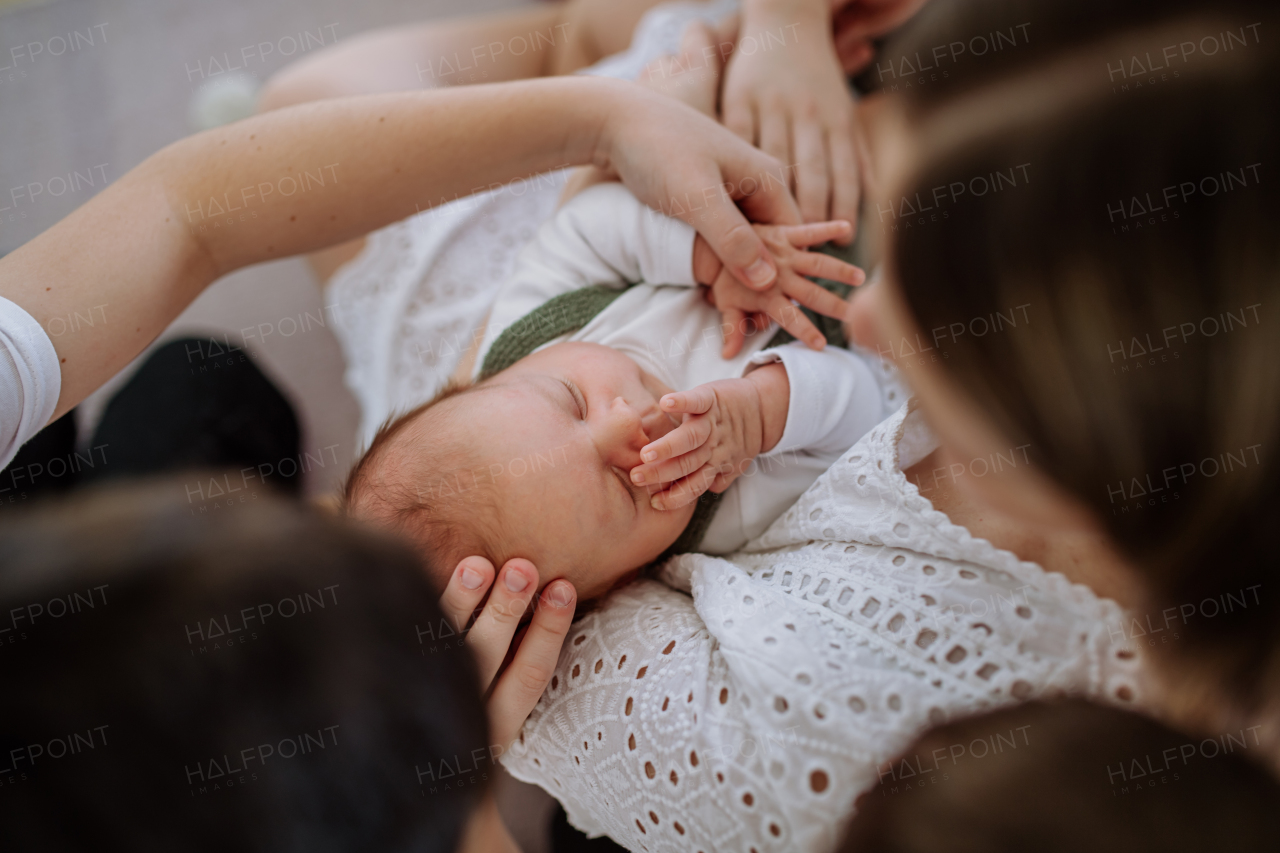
column 223, row 99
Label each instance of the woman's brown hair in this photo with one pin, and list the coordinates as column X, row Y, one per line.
column 1111, row 174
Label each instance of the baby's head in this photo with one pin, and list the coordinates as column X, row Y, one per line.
column 533, row 462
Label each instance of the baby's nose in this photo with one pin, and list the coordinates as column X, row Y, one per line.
column 624, row 435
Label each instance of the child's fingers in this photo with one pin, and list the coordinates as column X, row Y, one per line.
column 791, row 318
column 735, row 331
column 815, row 297
column 817, row 233
column 465, row 590
column 723, row 481
column 522, row 683
column 695, row 401
column 690, row 435
column 824, row 266
column 686, row 491
column 671, row 470
column 490, row 636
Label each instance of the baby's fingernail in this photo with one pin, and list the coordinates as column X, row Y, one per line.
column 472, row 579
column 655, row 503
column 636, row 476
column 560, row 594
column 515, row 581
column 760, row 273
column 647, row 456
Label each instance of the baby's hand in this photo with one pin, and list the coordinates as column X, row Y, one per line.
column 744, row 309
column 722, row 431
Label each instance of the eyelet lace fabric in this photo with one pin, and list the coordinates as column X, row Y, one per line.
column 750, row 713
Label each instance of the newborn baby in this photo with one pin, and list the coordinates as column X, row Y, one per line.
column 603, row 427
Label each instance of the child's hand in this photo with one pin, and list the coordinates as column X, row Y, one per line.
column 726, row 424
column 744, row 309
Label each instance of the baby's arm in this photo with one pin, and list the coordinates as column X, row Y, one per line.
column 798, row 400
column 606, row 236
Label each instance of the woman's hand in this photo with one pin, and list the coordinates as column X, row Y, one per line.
column 857, row 22
column 684, row 164
column 786, row 90
column 514, row 690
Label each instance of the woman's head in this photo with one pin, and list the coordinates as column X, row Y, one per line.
column 1081, row 250
column 260, row 679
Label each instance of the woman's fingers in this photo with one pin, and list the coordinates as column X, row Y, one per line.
column 686, row 491
column 813, row 184
column 819, row 265
column 816, row 233
column 846, row 184
column 774, row 124
column 522, row 683
column 465, row 590
column 490, row 636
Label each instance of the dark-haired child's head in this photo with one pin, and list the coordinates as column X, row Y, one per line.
column 1067, row 777
column 261, row 678
column 532, row 462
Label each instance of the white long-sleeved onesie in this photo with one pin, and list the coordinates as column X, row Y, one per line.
column 605, row 236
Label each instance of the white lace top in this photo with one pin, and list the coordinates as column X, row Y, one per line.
column 749, row 714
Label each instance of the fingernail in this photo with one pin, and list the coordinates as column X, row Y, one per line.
column 636, row 476
column 760, row 273
column 655, row 503
column 472, row 579
column 515, row 581
column 647, row 456
column 561, row 594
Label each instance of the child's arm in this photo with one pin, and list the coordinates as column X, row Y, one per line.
column 727, row 423
column 797, row 401
column 606, row 236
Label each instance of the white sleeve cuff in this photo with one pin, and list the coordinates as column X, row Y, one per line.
column 30, row 379
column 835, row 399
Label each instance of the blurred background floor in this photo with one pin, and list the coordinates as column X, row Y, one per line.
column 90, row 88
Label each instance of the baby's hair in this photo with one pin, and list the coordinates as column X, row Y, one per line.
column 438, row 522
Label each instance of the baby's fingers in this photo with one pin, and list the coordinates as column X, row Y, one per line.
column 671, row 470
column 691, row 434
column 819, row 265
column 695, row 401
column 791, row 318
column 735, row 331
column 685, row 491
column 815, row 297
column 817, row 233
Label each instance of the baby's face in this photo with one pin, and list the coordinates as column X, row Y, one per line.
column 561, row 431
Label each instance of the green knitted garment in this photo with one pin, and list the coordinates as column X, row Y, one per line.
column 569, row 312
